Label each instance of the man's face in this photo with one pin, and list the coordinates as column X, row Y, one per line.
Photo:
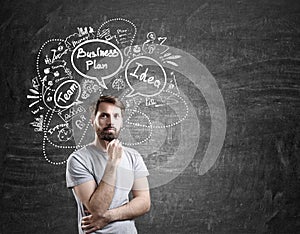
column 108, row 121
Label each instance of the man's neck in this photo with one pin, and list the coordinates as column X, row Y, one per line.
column 101, row 144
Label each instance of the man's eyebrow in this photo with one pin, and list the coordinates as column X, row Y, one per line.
column 113, row 113
column 105, row 113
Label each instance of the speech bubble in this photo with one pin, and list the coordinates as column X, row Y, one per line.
column 67, row 94
column 145, row 77
column 119, row 31
column 97, row 60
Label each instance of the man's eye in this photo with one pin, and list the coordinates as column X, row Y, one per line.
column 103, row 116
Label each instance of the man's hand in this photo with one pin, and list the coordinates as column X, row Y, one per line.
column 90, row 223
column 114, row 151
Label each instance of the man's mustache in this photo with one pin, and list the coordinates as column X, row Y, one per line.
column 109, row 127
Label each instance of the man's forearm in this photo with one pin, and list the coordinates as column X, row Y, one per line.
column 135, row 208
column 101, row 198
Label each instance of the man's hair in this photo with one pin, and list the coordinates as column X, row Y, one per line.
column 108, row 99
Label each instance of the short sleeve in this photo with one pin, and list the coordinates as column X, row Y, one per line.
column 77, row 172
column 140, row 169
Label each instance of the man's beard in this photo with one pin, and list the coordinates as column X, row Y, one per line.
column 108, row 136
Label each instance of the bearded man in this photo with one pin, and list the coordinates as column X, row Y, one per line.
column 103, row 173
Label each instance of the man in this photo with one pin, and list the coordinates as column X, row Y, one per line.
column 103, row 173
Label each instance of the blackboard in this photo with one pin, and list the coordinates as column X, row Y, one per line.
column 245, row 94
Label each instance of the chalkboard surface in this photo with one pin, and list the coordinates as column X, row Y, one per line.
column 249, row 52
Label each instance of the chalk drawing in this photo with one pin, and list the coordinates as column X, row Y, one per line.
column 153, row 81
column 160, row 121
column 100, row 56
column 118, row 84
column 119, row 31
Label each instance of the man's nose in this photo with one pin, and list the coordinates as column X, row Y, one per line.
column 110, row 120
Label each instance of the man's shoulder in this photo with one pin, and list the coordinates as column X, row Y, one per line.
column 133, row 155
column 82, row 151
column 131, row 151
column 80, row 154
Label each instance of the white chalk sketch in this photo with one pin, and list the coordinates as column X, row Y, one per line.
column 97, row 59
column 119, row 31
column 84, row 34
column 161, row 120
column 38, row 123
column 150, row 81
column 118, row 84
column 88, row 87
column 67, row 94
column 35, row 97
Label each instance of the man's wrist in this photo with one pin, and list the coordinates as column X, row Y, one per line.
column 112, row 164
column 110, row 173
column 108, row 215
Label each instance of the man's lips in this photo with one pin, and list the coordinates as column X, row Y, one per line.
column 109, row 129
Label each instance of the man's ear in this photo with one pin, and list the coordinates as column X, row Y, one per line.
column 92, row 119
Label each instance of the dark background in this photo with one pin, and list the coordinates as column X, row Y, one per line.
column 251, row 47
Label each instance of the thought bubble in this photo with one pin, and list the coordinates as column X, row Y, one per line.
column 67, row 94
column 97, row 60
column 145, row 77
column 119, row 31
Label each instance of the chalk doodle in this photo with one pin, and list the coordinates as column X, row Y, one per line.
column 119, row 31
column 150, row 77
column 118, row 84
column 83, row 34
column 67, row 94
column 149, row 74
column 88, row 87
column 97, row 59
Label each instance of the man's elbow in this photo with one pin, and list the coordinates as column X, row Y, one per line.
column 148, row 208
column 147, row 205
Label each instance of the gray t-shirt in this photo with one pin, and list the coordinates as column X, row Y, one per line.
column 88, row 163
